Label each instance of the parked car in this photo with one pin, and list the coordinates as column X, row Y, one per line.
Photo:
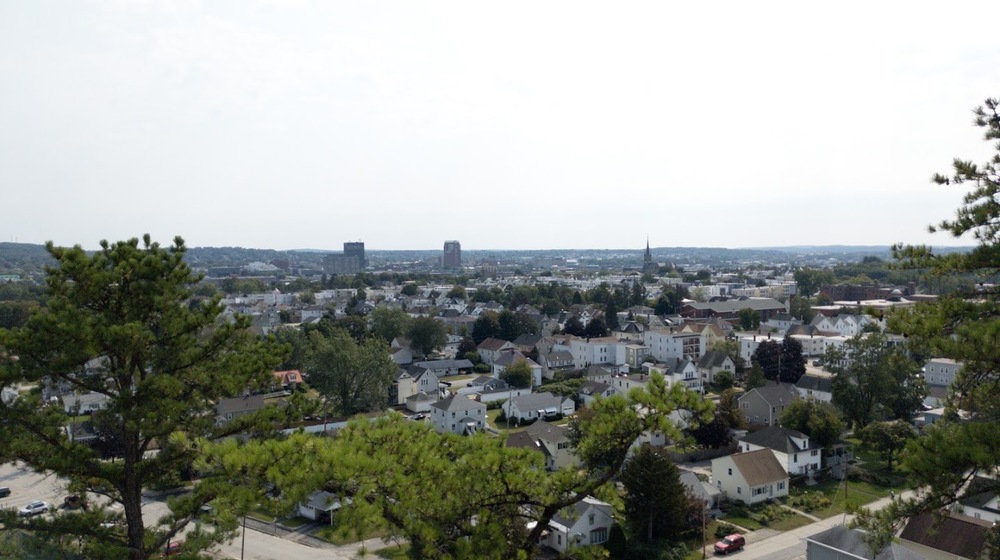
column 4, row 491
column 731, row 543
column 72, row 501
column 34, row 508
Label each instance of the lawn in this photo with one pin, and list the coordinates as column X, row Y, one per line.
column 294, row 522
column 395, row 552
column 811, row 499
column 491, row 420
column 790, row 522
column 744, row 522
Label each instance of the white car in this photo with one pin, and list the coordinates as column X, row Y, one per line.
column 34, row 508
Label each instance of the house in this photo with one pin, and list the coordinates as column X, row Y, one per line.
column 682, row 371
column 666, row 345
column 945, row 537
column 815, row 387
column 421, row 402
column 555, row 360
column 86, row 403
column 319, row 506
column 508, row 359
column 458, row 415
column 553, row 442
column 622, row 384
column 763, row 406
column 984, row 504
column 491, row 348
column 527, row 342
column 750, row 477
column 538, row 406
column 941, row 372
column 590, row 390
column 599, row 374
column 442, row 368
column 584, row 523
column 794, row 450
column 229, row 409
column 841, row 543
column 730, row 308
column 712, row 363
column 401, row 356
column 288, row 380
column 701, row 490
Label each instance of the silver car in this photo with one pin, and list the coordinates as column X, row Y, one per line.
column 34, row 508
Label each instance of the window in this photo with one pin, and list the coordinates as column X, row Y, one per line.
column 781, row 485
column 814, row 452
column 795, row 458
column 598, row 536
column 730, row 472
column 559, row 539
column 591, row 520
column 739, row 489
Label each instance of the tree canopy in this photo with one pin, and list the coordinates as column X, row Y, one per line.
column 655, row 498
column 352, row 376
column 118, row 323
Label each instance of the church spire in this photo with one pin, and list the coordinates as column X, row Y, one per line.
column 648, row 257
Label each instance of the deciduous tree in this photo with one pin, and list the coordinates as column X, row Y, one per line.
column 817, row 419
column 427, row 334
column 518, row 374
column 352, row 376
column 388, row 323
column 887, row 438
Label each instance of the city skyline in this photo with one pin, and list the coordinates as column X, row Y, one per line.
column 564, row 125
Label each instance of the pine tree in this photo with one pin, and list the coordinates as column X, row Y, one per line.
column 120, row 322
column 655, row 499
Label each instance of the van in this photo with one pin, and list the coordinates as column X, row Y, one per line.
column 4, row 491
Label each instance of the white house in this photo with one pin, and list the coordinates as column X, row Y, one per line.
column 712, row 363
column 85, row 403
column 605, row 350
column 491, row 348
column 666, row 345
column 507, row 359
column 941, row 371
column 458, row 415
column 319, row 506
column 682, row 371
column 750, row 477
column 538, row 406
column 794, row 450
column 585, row 523
column 815, row 387
column 590, row 390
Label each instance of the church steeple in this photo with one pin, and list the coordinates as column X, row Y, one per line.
column 648, row 257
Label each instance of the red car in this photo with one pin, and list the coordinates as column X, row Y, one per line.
column 173, row 547
column 730, row 544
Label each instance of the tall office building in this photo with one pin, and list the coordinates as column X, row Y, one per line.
column 452, row 254
column 356, row 249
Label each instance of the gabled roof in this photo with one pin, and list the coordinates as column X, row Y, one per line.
column 493, row 344
column 590, row 387
column 953, row 533
column 458, row 403
column 511, row 358
column 569, row 515
column 444, row 364
column 712, row 359
column 527, row 339
column 815, row 383
column 696, row 486
column 774, row 394
column 241, row 404
column 549, row 432
column 536, row 401
column 851, row 541
column 759, row 467
column 594, row 370
column 779, row 439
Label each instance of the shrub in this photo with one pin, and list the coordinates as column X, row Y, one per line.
column 725, row 529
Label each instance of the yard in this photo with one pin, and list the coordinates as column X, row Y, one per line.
column 829, row 498
column 345, row 535
column 773, row 516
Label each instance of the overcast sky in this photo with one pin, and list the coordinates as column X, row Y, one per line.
column 517, row 125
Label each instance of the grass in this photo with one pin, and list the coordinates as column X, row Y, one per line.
column 491, row 419
column 790, row 522
column 294, row 522
column 744, row 522
column 858, row 494
column 261, row 515
column 397, row 552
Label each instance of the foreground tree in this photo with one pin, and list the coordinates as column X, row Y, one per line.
column 119, row 322
column 887, row 438
column 655, row 501
column 961, row 326
column 453, row 496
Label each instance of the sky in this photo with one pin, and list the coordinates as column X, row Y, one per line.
column 504, row 125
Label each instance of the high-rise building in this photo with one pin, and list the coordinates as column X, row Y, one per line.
column 356, row 249
column 452, row 254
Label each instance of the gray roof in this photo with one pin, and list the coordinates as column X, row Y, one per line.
column 851, row 541
column 458, row 403
column 734, row 305
column 536, row 401
column 815, row 383
column 568, row 515
column 775, row 393
column 549, row 432
column 241, row 404
column 696, row 486
column 445, row 364
column 593, row 387
column 712, row 359
column 759, row 467
column 778, row 439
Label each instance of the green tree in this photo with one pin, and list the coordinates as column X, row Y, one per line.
column 961, row 326
column 756, row 377
column 486, row 326
column 611, row 314
column 801, row 308
column 16, row 313
column 595, row 328
column 874, row 381
column 574, row 326
column 162, row 364
column 819, row 420
column 427, row 334
column 511, row 325
column 730, row 347
column 388, row 323
column 655, row 499
column 768, row 356
column 518, row 374
column 409, row 290
column 793, row 364
column 457, row 292
column 887, row 438
column 351, row 376
column 810, row 280
column 749, row 319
